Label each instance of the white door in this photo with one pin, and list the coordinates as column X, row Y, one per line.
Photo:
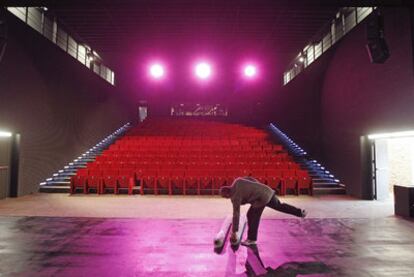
column 381, row 169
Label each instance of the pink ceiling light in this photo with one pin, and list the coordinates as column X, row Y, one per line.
column 203, row 70
column 157, row 71
column 250, row 71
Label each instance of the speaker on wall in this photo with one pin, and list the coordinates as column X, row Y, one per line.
column 3, row 32
column 378, row 51
column 377, row 47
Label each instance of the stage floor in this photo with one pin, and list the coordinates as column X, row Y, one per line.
column 182, row 207
column 58, row 246
column 107, row 235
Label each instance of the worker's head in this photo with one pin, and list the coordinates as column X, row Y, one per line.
column 225, row 191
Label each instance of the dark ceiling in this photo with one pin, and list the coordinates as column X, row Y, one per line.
column 114, row 28
column 128, row 34
column 122, row 30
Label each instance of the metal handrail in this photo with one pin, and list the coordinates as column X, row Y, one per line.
column 345, row 20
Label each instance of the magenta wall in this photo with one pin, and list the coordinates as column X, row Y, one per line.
column 59, row 107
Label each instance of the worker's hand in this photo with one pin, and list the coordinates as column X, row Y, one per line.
column 233, row 237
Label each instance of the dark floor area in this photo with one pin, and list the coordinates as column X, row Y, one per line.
column 57, row 246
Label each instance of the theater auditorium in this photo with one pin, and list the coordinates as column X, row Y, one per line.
column 207, row 138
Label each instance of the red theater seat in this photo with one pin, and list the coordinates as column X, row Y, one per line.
column 178, row 181
column 289, row 182
column 304, row 181
column 163, row 182
column 93, row 182
column 206, row 181
column 126, row 182
column 219, row 180
column 77, row 182
column 83, row 172
column 148, row 181
column 192, row 181
column 109, row 182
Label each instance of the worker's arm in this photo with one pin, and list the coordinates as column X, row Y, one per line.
column 236, row 219
column 236, row 214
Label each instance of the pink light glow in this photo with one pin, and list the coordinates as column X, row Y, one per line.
column 250, row 71
column 203, row 70
column 157, row 71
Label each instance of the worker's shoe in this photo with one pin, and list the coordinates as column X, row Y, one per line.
column 248, row 242
column 304, row 213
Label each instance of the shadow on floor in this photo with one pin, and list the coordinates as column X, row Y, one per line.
column 255, row 266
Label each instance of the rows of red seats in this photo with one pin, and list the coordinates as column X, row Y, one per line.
column 183, row 180
column 195, row 160
column 167, row 156
column 101, row 180
column 161, row 164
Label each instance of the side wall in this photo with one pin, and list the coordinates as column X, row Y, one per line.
column 59, row 107
column 359, row 98
column 331, row 106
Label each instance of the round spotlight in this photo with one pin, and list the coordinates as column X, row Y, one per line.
column 250, row 71
column 301, row 59
column 157, row 71
column 203, row 70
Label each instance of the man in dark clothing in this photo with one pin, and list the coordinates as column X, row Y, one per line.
column 249, row 190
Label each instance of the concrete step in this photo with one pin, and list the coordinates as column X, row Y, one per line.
column 324, row 178
column 58, row 183
column 67, row 170
column 60, row 179
column 87, row 160
column 332, row 185
column 66, row 174
column 79, row 163
column 325, row 191
column 54, row 189
column 63, row 176
column 72, row 166
column 69, row 173
column 324, row 181
column 316, row 168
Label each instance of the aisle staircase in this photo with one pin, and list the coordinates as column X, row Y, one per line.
column 324, row 182
column 60, row 181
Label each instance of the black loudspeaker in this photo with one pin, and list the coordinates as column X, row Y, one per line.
column 404, row 201
column 378, row 51
column 3, row 32
column 377, row 47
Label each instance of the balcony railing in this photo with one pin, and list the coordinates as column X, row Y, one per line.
column 36, row 18
column 346, row 19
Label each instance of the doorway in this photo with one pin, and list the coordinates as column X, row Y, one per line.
column 5, row 158
column 393, row 162
column 142, row 113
